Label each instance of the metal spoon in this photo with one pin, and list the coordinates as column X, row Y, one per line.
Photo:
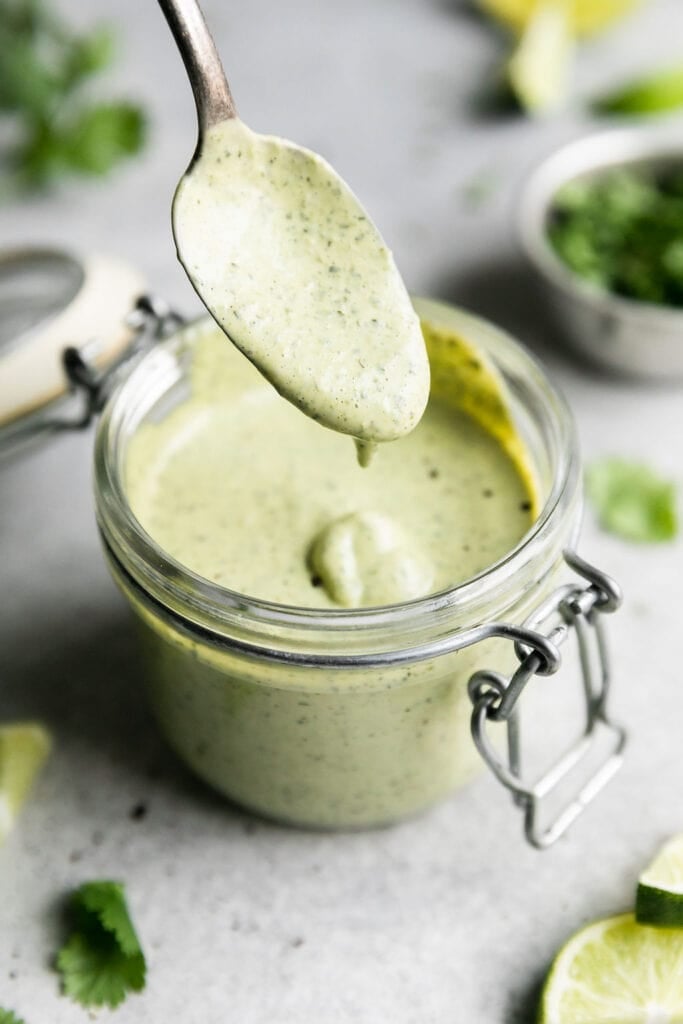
column 290, row 265
column 203, row 65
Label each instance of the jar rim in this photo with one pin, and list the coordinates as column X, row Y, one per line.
column 225, row 614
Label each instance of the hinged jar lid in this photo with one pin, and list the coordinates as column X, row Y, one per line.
column 50, row 301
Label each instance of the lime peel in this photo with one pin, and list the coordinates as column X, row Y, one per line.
column 538, row 71
column 656, row 94
column 24, row 748
column 659, row 897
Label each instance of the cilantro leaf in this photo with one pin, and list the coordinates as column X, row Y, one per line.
column 653, row 95
column 102, row 960
column 632, row 501
column 7, row 1017
column 44, row 74
column 91, row 143
column 26, row 82
column 90, row 53
column 102, row 135
column 107, row 902
column 96, row 973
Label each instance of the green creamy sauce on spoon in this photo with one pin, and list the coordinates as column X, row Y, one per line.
column 294, row 271
column 290, row 265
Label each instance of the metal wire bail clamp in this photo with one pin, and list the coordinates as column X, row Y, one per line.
column 149, row 321
column 495, row 698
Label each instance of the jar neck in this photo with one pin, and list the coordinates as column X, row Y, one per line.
column 217, row 615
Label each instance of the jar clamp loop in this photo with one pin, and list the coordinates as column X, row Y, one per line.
column 151, row 321
column 495, row 698
column 89, row 385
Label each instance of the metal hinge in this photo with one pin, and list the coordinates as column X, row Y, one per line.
column 151, row 320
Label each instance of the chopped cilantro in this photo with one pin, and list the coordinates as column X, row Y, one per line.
column 632, row 501
column 102, row 961
column 623, row 231
column 7, row 1017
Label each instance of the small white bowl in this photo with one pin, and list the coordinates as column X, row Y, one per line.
column 625, row 336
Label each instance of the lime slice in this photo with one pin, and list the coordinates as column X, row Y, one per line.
column 585, row 16
column 616, row 972
column 23, row 750
column 660, row 888
column 538, row 71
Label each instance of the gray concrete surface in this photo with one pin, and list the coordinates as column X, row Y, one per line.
column 445, row 919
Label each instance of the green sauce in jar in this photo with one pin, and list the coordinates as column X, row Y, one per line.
column 242, row 489
column 237, row 486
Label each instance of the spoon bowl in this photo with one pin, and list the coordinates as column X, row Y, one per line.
column 291, row 266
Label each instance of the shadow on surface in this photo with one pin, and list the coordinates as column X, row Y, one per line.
column 467, row 10
column 523, row 1007
column 87, row 687
column 505, row 292
column 490, row 98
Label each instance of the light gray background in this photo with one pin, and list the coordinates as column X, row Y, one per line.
column 448, row 918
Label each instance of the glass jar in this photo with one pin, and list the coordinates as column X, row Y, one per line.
column 341, row 719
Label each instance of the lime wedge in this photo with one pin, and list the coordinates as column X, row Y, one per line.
column 659, row 900
column 23, row 750
column 538, row 71
column 616, row 972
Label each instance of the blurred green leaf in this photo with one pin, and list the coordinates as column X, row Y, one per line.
column 7, row 1017
column 655, row 94
column 632, row 501
column 43, row 69
column 27, row 84
column 93, row 142
column 89, row 54
column 102, row 135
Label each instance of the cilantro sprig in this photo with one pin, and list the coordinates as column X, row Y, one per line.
column 632, row 501
column 102, row 960
column 45, row 74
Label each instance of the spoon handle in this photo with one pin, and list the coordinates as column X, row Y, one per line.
column 203, row 65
